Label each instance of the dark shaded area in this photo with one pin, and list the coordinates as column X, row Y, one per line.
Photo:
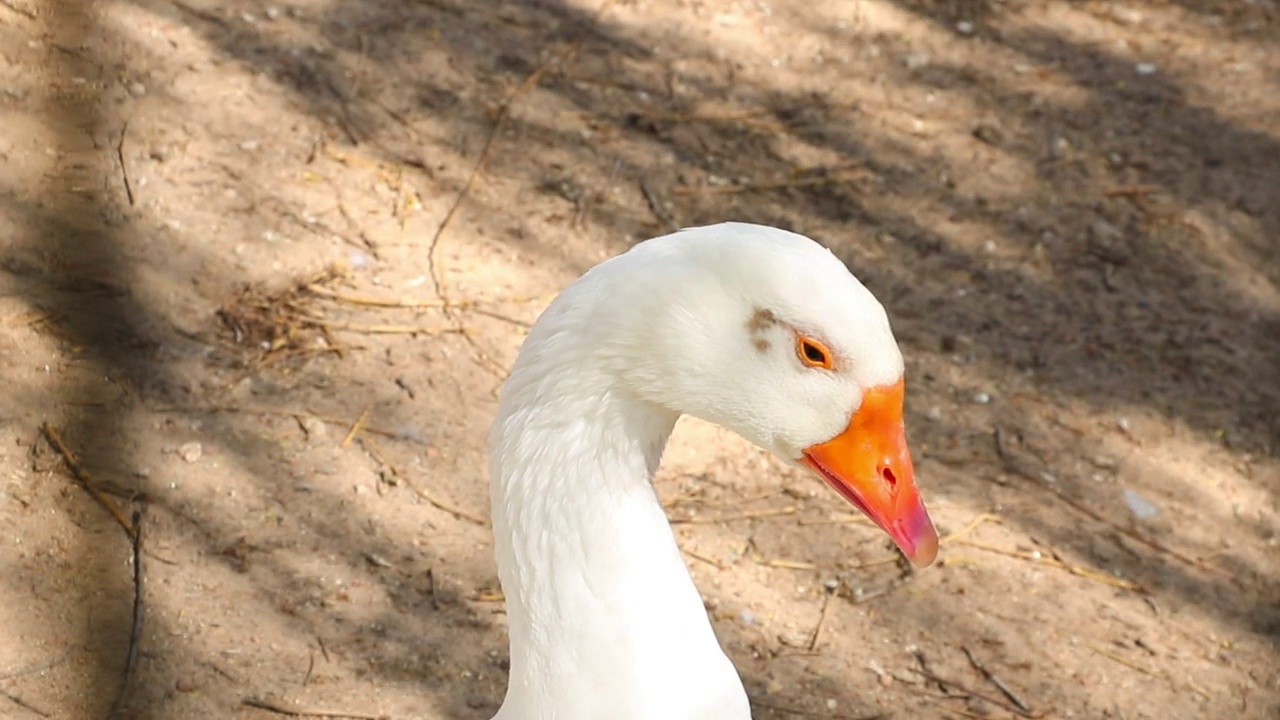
column 1131, row 317
column 75, row 272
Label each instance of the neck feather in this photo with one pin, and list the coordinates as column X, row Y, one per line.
column 604, row 618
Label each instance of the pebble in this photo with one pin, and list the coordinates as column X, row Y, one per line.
column 191, row 451
column 964, row 27
column 1141, row 507
column 1145, row 68
column 314, row 428
column 137, row 89
column 982, row 398
column 915, row 61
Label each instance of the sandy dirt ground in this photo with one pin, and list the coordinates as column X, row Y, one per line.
column 229, row 232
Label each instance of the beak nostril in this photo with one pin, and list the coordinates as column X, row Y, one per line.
column 889, row 478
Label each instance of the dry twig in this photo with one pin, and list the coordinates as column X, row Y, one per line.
column 1077, row 570
column 788, row 564
column 357, row 299
column 805, row 181
column 278, row 707
column 822, row 620
column 383, row 329
column 995, row 680
column 657, row 207
column 132, row 529
column 124, row 168
column 1019, row 468
column 78, row 472
column 564, row 57
column 813, row 713
column 733, row 518
column 276, row 412
column 118, row 707
column 714, row 563
column 35, row 669
column 25, row 12
column 371, row 448
column 981, row 696
column 356, row 427
column 24, row 704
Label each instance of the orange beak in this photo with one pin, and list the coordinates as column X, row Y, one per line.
column 869, row 464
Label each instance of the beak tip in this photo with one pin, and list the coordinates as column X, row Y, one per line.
column 918, row 538
column 926, row 550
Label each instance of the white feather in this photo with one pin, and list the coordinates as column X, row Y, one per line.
column 605, row 621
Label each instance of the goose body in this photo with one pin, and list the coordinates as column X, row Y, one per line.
column 760, row 330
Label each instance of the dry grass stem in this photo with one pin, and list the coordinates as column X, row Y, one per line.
column 275, row 706
column 714, row 563
column 822, row 620
column 79, row 473
column 278, row 412
column 995, row 680
column 1041, row 559
column 768, row 185
column 384, row 329
column 372, row 448
column 759, row 515
column 356, row 427
column 372, row 301
column 788, row 564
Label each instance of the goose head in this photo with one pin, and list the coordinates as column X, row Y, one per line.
column 766, row 333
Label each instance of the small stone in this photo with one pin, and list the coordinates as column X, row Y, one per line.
column 1141, row 507
column 186, row 685
column 249, row 145
column 137, row 89
column 314, row 428
column 982, row 398
column 934, row 414
column 964, row 27
column 191, row 451
column 989, row 132
column 915, row 61
column 377, row 560
column 1145, row 68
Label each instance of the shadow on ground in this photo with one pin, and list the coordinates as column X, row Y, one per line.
column 1104, row 299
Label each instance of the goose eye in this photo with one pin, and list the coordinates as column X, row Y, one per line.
column 813, row 353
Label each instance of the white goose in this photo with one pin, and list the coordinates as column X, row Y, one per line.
column 756, row 329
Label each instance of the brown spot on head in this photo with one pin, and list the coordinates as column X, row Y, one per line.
column 761, row 320
column 761, row 345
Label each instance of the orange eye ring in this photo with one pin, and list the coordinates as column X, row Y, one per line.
column 813, row 353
